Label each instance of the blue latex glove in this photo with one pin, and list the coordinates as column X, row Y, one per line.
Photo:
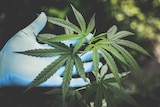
column 19, row 70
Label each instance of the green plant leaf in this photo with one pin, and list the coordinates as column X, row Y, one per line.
column 108, row 45
column 80, row 67
column 131, row 61
column 91, row 25
column 115, row 53
column 68, row 31
column 48, row 71
column 111, row 31
column 121, row 34
column 72, row 97
column 43, row 52
column 63, row 37
column 121, row 93
column 98, row 97
column 111, row 63
column 108, row 96
column 80, row 19
column 64, row 23
column 96, row 61
column 90, row 90
column 67, row 75
column 104, row 42
column 133, row 46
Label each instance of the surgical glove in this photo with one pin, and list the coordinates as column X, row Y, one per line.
column 20, row 70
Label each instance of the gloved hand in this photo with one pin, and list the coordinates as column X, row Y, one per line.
column 18, row 69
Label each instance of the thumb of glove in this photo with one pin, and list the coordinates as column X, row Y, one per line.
column 37, row 25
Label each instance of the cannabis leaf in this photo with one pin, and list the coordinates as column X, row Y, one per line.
column 80, row 19
column 75, row 32
column 110, row 45
column 106, row 89
column 66, row 58
column 67, row 75
column 64, row 23
column 79, row 67
column 44, row 52
column 47, row 72
column 68, row 31
column 95, row 61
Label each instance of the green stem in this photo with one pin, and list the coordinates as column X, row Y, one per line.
column 82, row 88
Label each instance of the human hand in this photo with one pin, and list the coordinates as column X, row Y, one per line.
column 20, row 70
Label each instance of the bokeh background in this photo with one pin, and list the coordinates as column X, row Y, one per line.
column 141, row 17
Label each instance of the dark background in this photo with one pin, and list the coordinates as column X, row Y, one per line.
column 139, row 16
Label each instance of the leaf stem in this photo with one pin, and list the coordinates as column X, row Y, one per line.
column 82, row 88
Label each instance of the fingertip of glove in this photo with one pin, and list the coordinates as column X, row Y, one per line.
column 41, row 19
column 79, row 82
column 42, row 16
column 38, row 24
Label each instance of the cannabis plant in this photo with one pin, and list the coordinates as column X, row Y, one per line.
column 107, row 48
